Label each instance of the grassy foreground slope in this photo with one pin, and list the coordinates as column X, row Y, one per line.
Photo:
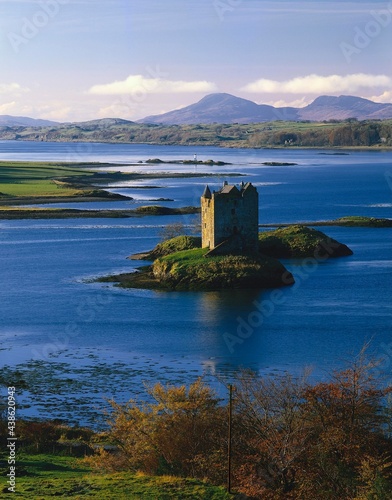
column 43, row 477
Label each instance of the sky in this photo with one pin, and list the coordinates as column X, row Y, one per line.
column 77, row 60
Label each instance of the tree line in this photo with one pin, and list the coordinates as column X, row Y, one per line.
column 349, row 134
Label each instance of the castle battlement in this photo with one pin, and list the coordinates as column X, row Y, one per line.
column 230, row 216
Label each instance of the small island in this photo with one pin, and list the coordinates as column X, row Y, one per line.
column 195, row 161
column 191, row 269
column 347, row 221
column 231, row 253
column 297, row 241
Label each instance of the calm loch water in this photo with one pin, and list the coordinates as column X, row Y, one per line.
column 91, row 341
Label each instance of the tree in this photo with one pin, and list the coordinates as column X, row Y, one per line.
column 346, row 421
column 271, row 434
column 172, row 230
column 182, row 432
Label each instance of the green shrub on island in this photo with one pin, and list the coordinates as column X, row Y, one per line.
column 172, row 245
column 191, row 270
column 299, row 242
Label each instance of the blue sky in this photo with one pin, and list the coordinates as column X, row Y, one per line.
column 74, row 60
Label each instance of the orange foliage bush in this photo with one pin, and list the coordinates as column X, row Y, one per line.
column 290, row 439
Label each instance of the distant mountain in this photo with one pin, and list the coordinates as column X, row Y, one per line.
column 345, row 106
column 226, row 108
column 23, row 121
column 222, row 108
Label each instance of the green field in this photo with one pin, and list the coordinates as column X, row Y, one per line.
column 42, row 477
column 28, row 179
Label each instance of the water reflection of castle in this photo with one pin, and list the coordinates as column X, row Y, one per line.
column 218, row 314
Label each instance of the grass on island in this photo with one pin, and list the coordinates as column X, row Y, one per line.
column 299, row 241
column 361, row 221
column 46, row 476
column 176, row 244
column 190, row 270
column 180, row 264
column 30, row 179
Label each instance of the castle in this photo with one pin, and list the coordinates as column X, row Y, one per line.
column 230, row 219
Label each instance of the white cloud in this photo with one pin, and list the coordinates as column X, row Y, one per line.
column 57, row 113
column 12, row 88
column 317, row 84
column 138, row 84
column 384, row 97
column 7, row 107
column 49, row 111
column 281, row 103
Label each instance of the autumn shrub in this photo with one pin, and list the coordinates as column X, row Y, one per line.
column 182, row 432
column 323, row 441
column 290, row 439
column 271, row 434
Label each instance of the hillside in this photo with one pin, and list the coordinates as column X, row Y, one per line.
column 326, row 134
column 23, row 121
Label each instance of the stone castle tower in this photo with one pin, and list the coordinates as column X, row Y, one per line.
column 230, row 219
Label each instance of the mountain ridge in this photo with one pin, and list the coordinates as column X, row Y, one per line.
column 226, row 108
column 223, row 108
column 24, row 121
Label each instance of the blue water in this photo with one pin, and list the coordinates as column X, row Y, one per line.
column 50, row 314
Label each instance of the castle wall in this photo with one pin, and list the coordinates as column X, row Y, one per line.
column 250, row 219
column 232, row 215
column 207, row 222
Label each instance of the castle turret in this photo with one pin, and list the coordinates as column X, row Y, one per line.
column 207, row 192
